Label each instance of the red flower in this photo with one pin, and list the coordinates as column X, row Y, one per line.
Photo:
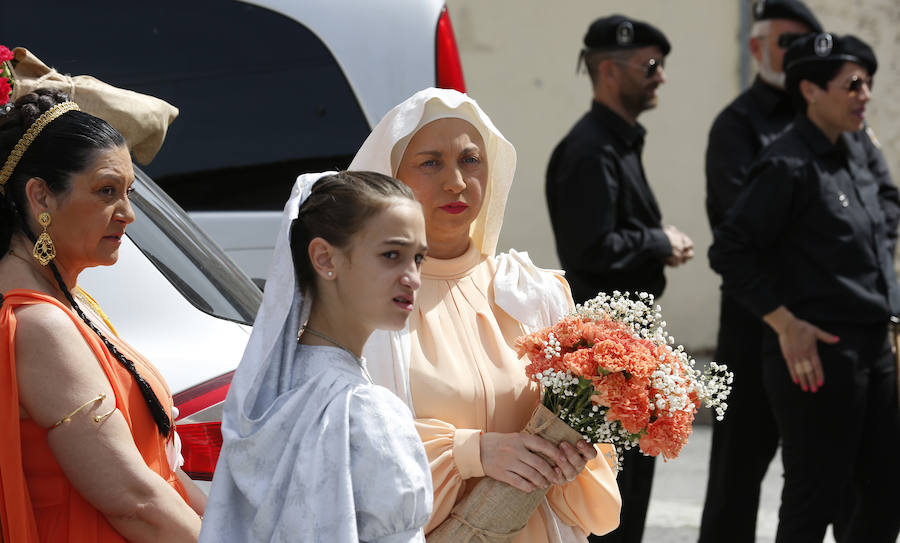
column 5, row 54
column 5, row 90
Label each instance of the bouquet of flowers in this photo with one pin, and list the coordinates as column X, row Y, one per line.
column 609, row 373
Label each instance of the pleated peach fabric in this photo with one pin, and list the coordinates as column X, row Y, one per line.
column 466, row 379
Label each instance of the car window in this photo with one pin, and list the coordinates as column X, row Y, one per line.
column 188, row 258
column 261, row 98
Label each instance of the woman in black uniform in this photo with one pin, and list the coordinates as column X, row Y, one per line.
column 809, row 248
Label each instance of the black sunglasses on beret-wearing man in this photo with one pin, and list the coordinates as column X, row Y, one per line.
column 650, row 67
column 785, row 40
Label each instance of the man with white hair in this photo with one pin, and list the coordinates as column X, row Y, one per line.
column 744, row 443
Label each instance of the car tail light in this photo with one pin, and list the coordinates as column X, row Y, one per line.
column 201, row 439
column 449, row 67
column 201, row 444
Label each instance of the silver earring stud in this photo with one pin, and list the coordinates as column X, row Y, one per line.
column 330, row 274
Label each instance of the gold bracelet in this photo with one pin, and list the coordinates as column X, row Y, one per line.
column 100, row 418
column 68, row 418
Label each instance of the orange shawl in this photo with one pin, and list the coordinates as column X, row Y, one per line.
column 37, row 502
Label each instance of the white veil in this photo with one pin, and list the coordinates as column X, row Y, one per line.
column 274, row 339
column 383, row 149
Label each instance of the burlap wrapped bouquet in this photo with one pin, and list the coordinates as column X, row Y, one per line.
column 608, row 373
column 495, row 512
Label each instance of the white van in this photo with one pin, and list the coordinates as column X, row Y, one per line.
column 267, row 89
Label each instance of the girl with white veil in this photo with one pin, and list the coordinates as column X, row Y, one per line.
column 312, row 450
column 455, row 365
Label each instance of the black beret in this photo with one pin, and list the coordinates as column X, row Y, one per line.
column 794, row 10
column 826, row 47
column 620, row 32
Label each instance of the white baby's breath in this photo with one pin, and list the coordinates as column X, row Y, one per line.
column 676, row 378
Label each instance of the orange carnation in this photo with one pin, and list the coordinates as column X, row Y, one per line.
column 627, row 400
column 568, row 332
column 667, row 435
column 581, row 363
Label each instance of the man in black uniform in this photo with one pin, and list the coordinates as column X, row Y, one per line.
column 607, row 224
column 745, row 442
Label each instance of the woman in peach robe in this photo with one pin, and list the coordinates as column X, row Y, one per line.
column 455, row 365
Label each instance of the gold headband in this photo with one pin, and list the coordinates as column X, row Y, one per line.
column 16, row 155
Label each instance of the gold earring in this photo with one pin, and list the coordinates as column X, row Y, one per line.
column 44, row 250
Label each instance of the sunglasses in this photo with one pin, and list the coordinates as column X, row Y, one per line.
column 650, row 67
column 856, row 83
column 785, row 40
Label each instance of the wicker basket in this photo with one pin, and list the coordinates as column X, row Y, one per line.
column 495, row 512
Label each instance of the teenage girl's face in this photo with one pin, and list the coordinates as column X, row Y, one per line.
column 378, row 274
column 446, row 167
column 89, row 220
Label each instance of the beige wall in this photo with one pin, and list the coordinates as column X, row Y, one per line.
column 519, row 58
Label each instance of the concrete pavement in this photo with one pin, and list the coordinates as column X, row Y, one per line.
column 679, row 487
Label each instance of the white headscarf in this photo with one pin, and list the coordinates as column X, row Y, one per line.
column 383, row 149
column 527, row 293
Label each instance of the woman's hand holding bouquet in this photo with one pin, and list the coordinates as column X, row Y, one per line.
column 608, row 373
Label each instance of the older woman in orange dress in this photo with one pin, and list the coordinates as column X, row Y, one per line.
column 90, row 453
column 455, row 365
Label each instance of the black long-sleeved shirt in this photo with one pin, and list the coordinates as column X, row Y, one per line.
column 740, row 132
column 814, row 230
column 605, row 217
column 744, row 128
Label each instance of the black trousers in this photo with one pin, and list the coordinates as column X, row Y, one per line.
column 635, row 482
column 844, row 438
column 745, row 442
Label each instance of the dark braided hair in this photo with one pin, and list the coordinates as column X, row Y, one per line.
column 64, row 147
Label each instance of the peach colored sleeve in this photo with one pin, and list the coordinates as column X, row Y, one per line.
column 592, row 500
column 454, row 455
